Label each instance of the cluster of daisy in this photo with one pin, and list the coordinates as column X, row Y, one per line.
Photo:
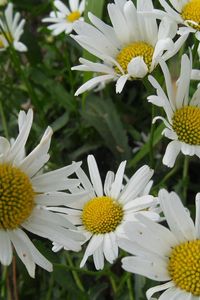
column 69, row 208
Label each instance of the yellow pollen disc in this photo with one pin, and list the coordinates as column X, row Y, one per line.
column 102, row 215
column 73, row 16
column 191, row 12
column 16, row 197
column 133, row 50
column 184, row 266
column 186, row 124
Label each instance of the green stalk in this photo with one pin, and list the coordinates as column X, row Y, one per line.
column 3, row 283
column 75, row 274
column 185, row 178
column 151, row 138
column 4, row 123
column 112, row 281
column 130, row 289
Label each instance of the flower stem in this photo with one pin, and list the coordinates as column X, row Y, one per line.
column 14, row 273
column 75, row 274
column 185, row 178
column 151, row 151
column 4, row 123
column 3, row 283
column 130, row 289
column 112, row 281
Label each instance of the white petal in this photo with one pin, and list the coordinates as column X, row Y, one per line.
column 121, row 83
column 169, row 84
column 110, row 247
column 177, row 218
column 195, row 74
column 93, row 82
column 55, row 233
column 74, row 5
column 61, row 6
column 22, row 137
column 95, row 242
column 95, row 175
column 20, row 46
column 137, row 67
column 159, row 288
column 175, row 293
column 85, row 181
column 145, row 237
column 41, row 214
column 152, row 269
column 98, row 258
column 161, row 46
column 136, row 184
column 197, row 219
column 117, row 184
column 28, row 253
column 56, row 180
column 184, row 81
column 130, row 13
column 4, row 147
column 76, row 200
column 196, row 97
column 139, row 203
column 107, row 30
column 119, row 23
column 176, row 47
column 39, row 155
column 5, row 248
column 167, row 28
column 108, row 183
column 188, row 149
column 171, row 153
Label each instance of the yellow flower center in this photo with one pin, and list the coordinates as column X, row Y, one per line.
column 102, row 215
column 73, row 16
column 133, row 50
column 184, row 266
column 186, row 124
column 191, row 12
column 6, row 36
column 16, row 197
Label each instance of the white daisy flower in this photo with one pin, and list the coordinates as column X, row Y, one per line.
column 183, row 113
column 63, row 18
column 11, row 29
column 101, row 212
column 130, row 48
column 24, row 197
column 186, row 12
column 167, row 255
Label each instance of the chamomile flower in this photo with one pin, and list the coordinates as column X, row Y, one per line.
column 101, row 212
column 11, row 29
column 24, row 197
column 186, row 12
column 167, row 255
column 183, row 113
column 130, row 48
column 63, row 18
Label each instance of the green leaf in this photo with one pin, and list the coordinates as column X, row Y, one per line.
column 103, row 116
column 145, row 149
column 94, row 6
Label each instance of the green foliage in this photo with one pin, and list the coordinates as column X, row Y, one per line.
column 107, row 125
